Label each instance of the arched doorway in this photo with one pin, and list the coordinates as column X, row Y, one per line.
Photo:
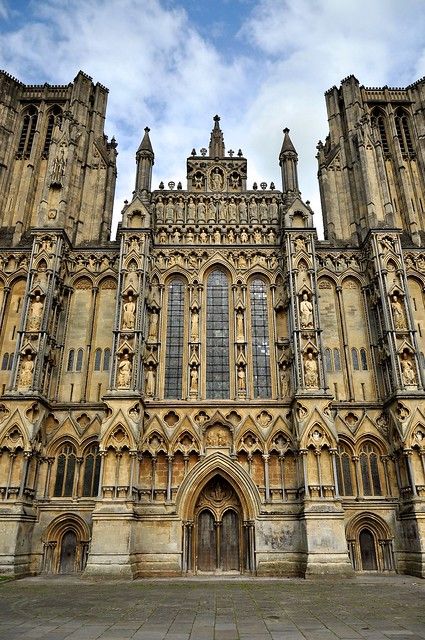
column 68, row 552
column 218, row 536
column 367, row 550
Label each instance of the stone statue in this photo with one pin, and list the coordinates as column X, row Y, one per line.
column 216, row 180
column 35, row 314
column 27, row 368
column 58, row 167
column 311, row 372
column 306, row 312
column 193, row 381
column 153, row 326
column 398, row 313
column 284, row 381
column 150, row 381
column 240, row 333
column 129, row 314
column 407, row 370
column 124, row 372
column 241, row 380
column 132, row 279
column 194, row 328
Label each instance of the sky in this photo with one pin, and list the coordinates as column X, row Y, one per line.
column 262, row 65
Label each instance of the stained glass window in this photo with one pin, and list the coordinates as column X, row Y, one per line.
column 369, row 465
column 91, row 471
column 65, row 471
column 175, row 336
column 217, row 340
column 260, row 340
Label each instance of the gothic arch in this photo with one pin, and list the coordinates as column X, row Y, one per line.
column 217, row 464
column 55, row 536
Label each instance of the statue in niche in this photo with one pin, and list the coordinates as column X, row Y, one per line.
column 193, row 390
column 242, row 263
column 124, row 372
column 40, row 279
column 35, row 314
column 231, row 237
column 244, row 236
column 271, row 236
column 169, row 211
column 216, row 180
column 232, row 210
column 311, row 371
column 407, row 370
column 300, row 245
column 242, row 210
column 131, row 279
column 212, row 211
column 273, row 211
column 190, row 237
column 191, row 210
column 162, row 238
column 194, row 326
column 253, row 212
column 217, row 237
column 159, row 208
column 192, row 262
column 398, row 313
column 180, row 210
column 160, row 262
column 285, row 380
column 258, row 238
column 203, row 238
column 201, row 210
column 241, row 379
column 306, row 312
column 240, row 333
column 58, row 167
column 264, row 210
column 25, row 374
column 129, row 314
column 150, row 381
column 153, row 326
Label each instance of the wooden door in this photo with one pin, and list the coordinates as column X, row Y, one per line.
column 367, row 551
column 207, row 542
column 68, row 552
column 229, row 547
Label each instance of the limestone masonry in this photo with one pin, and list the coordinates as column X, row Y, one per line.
column 216, row 391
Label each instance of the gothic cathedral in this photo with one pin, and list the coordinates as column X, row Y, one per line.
column 216, row 390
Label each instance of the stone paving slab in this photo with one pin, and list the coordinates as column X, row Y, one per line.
column 368, row 607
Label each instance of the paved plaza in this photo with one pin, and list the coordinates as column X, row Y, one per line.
column 371, row 607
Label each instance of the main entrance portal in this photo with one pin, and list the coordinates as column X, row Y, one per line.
column 218, row 522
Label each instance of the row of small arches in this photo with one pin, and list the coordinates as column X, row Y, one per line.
column 333, row 359
column 102, row 360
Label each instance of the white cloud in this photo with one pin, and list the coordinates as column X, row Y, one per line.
column 162, row 73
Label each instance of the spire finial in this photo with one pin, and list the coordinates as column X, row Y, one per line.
column 217, row 141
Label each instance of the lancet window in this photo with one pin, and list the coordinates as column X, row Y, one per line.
column 369, row 467
column 344, row 469
column 378, row 121
column 54, row 117
column 29, row 122
column 260, row 340
column 175, row 340
column 91, row 471
column 65, row 471
column 217, row 336
column 403, row 131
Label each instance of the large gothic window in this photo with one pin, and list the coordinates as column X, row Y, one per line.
column 29, row 122
column 260, row 340
column 369, row 467
column 345, row 470
column 65, row 471
column 378, row 121
column 217, row 340
column 175, row 338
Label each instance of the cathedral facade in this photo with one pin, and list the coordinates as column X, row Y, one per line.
column 217, row 390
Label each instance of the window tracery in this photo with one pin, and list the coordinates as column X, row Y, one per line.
column 175, row 340
column 29, row 122
column 65, row 471
column 260, row 340
column 217, row 336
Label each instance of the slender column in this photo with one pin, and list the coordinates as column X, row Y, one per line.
column 356, row 461
column 333, row 453
column 101, row 470
column 410, row 470
column 169, row 476
column 303, row 454
column 27, row 457
column 397, row 473
column 12, row 456
column 319, row 471
column 249, row 457
column 153, row 478
column 50, row 462
column 186, row 463
column 78, row 463
column 282, row 475
column 266, row 476
column 118, row 456
column 133, row 457
column 387, row 477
